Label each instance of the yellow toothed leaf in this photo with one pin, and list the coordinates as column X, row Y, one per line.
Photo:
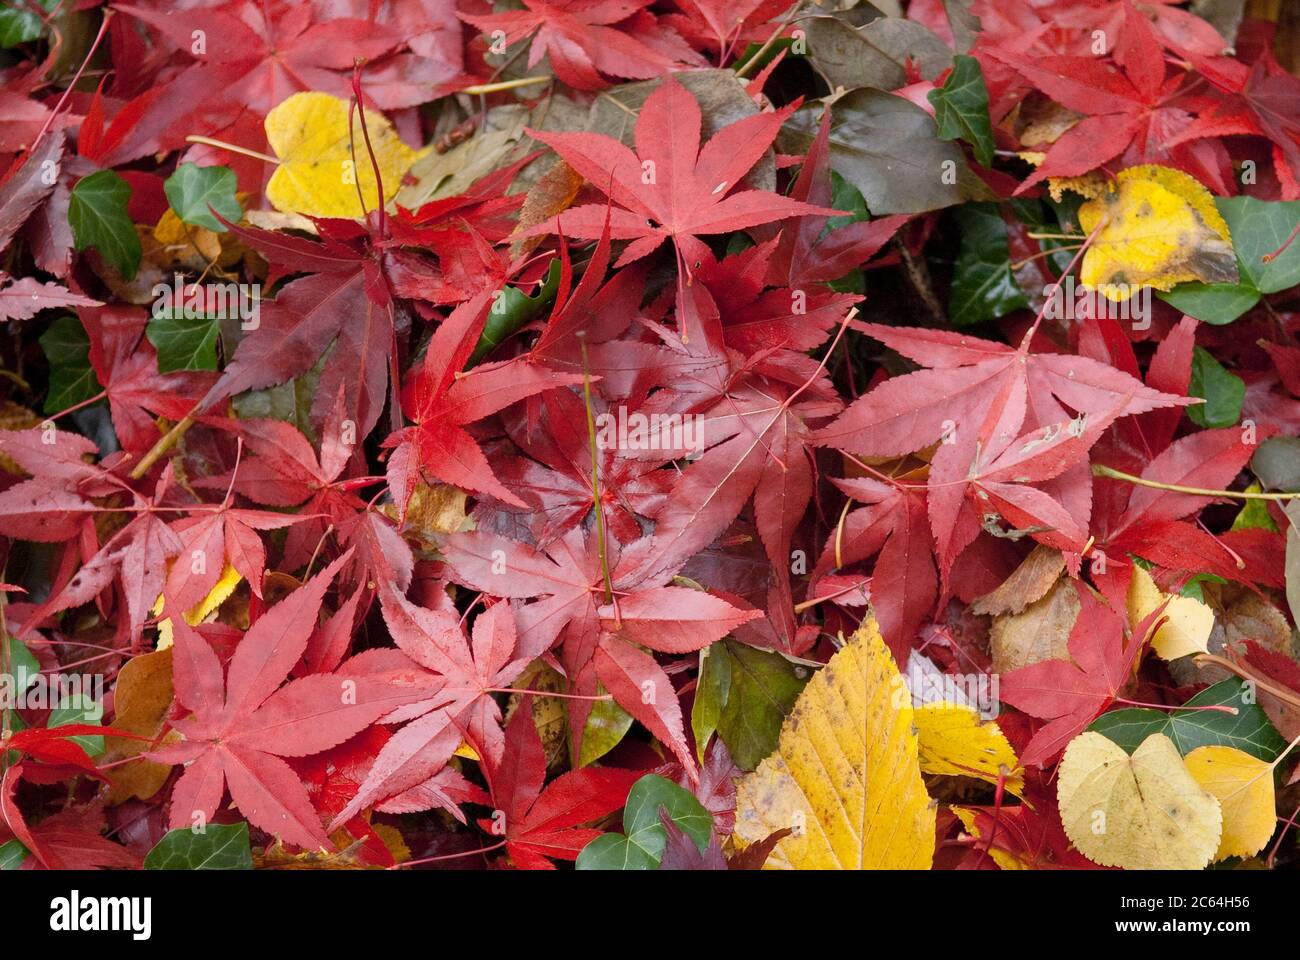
column 1144, row 812
column 845, row 776
column 322, row 165
column 1161, row 228
column 1244, row 786
column 955, row 741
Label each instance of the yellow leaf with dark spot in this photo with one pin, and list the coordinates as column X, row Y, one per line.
column 322, row 164
column 845, row 777
column 1161, row 228
column 1144, row 812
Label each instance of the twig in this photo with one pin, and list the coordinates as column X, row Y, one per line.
column 1101, row 470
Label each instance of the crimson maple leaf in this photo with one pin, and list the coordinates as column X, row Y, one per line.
column 977, row 395
column 253, row 56
column 22, row 299
column 1069, row 694
column 546, row 823
column 1131, row 113
column 905, row 584
column 602, row 635
column 442, row 401
column 671, row 187
column 242, row 724
column 345, row 302
column 462, row 675
column 587, row 38
column 555, row 478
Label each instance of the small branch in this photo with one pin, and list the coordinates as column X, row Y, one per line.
column 504, row 85
column 165, row 443
column 1285, row 696
column 596, row 503
column 919, row 275
column 1101, row 470
column 233, row 148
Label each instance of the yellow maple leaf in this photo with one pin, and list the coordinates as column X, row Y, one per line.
column 1187, row 621
column 324, row 170
column 1144, row 812
column 845, row 776
column 955, row 741
column 1244, row 786
column 1160, row 228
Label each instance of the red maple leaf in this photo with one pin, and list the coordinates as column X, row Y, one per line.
column 671, row 187
column 541, row 820
column 587, row 38
column 978, row 395
column 602, row 635
column 1069, row 694
column 242, row 724
column 462, row 675
column 442, row 402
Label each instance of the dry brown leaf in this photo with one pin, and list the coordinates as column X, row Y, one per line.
column 1040, row 632
column 1029, row 582
column 141, row 699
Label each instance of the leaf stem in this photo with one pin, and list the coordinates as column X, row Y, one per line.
column 501, row 85
column 233, row 148
column 165, row 443
column 103, row 28
column 596, row 503
column 1283, row 695
column 1101, row 470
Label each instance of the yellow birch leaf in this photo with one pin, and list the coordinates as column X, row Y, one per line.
column 954, row 741
column 1187, row 621
column 845, row 776
column 1161, row 229
column 319, row 174
column 1144, row 812
column 1244, row 786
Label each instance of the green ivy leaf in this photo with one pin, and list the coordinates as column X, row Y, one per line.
column 80, row 708
column 12, row 855
column 192, row 189
column 1222, row 391
column 18, row 24
column 641, row 845
column 218, row 847
column 982, row 286
column 1249, row 730
column 72, row 379
column 97, row 214
column 1258, row 228
column 961, row 107
column 511, row 310
column 184, row 343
